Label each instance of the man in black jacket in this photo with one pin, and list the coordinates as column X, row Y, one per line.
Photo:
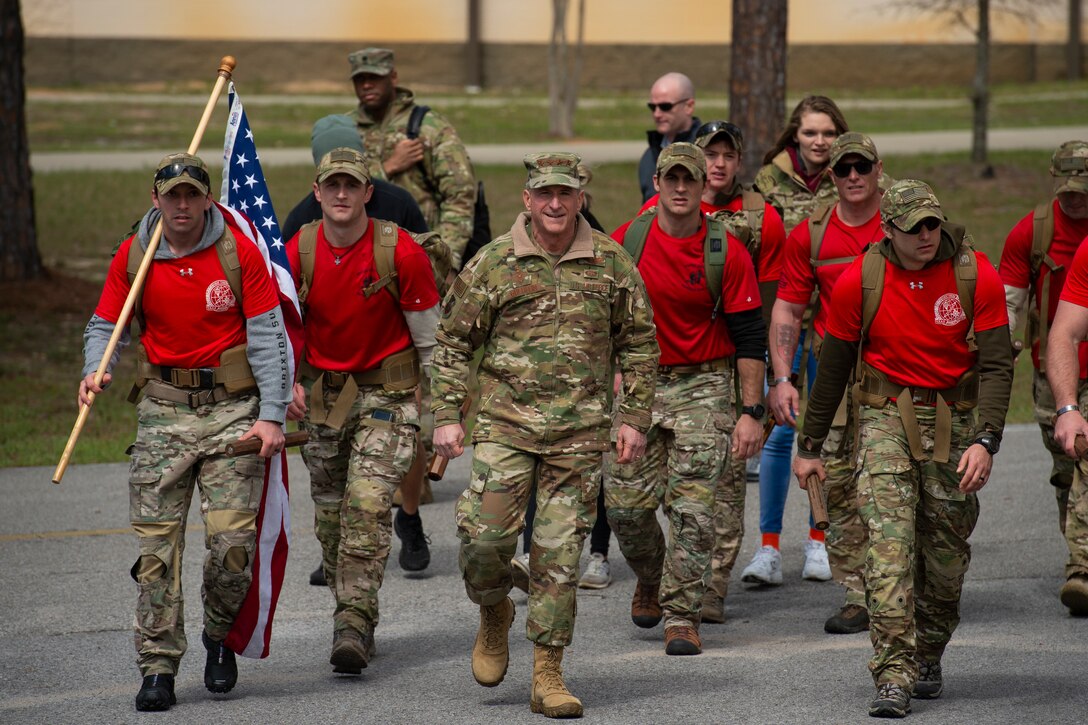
column 672, row 105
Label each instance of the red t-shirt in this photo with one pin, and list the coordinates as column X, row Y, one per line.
column 918, row 336
column 675, row 276
column 345, row 330
column 772, row 237
column 190, row 314
column 1015, row 267
column 798, row 278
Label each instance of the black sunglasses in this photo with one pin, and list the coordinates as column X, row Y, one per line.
column 178, row 168
column 666, row 106
column 842, row 169
column 713, row 127
column 930, row 222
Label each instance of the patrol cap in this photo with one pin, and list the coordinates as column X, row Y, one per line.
column 555, row 168
column 334, row 132
column 711, row 130
column 685, row 154
column 177, row 169
column 378, row 61
column 908, row 202
column 852, row 142
column 1069, row 167
column 343, row 160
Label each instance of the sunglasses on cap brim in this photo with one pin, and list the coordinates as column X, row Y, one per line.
column 715, row 127
column 177, row 169
column 843, row 168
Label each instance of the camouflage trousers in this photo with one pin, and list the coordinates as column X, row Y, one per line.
column 491, row 513
column 686, row 451
column 177, row 449
column 847, row 539
column 918, row 523
column 1066, row 476
column 354, row 471
column 728, row 525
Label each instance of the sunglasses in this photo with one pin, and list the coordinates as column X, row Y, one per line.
column 666, row 106
column 177, row 169
column 842, row 169
column 931, row 223
column 713, row 127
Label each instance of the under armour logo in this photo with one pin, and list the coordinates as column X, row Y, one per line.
column 916, row 285
column 186, row 271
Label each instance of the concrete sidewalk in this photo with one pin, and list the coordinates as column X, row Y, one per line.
column 594, row 152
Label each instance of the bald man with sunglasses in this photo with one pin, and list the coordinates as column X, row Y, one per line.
column 672, row 107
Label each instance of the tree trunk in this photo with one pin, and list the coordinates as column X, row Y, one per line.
column 980, row 96
column 1074, row 52
column 757, row 78
column 563, row 74
column 19, row 257
column 474, row 75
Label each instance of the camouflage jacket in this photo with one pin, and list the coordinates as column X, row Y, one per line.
column 443, row 184
column 786, row 191
column 548, row 337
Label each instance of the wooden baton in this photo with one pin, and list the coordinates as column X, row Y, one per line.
column 226, row 68
column 253, row 445
column 436, row 469
column 817, row 501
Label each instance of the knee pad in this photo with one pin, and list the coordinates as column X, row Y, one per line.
column 236, row 559
column 147, row 569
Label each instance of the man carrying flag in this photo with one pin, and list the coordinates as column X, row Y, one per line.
column 214, row 366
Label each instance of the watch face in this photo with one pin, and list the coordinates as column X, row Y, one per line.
column 756, row 411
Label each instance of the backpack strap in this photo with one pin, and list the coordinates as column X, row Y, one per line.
column 226, row 247
column 715, row 245
column 966, row 266
column 817, row 227
column 754, row 207
column 1042, row 237
column 415, row 121
column 385, row 248
column 634, row 239
column 307, row 246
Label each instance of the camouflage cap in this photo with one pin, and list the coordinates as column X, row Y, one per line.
column 687, row 155
column 555, row 168
column 183, row 168
column 1069, row 167
column 333, row 132
column 852, row 142
column 343, row 160
column 711, row 130
column 378, row 61
column 908, row 202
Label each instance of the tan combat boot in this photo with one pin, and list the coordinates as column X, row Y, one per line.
column 491, row 653
column 549, row 694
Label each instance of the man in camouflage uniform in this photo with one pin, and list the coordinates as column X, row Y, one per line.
column 434, row 168
column 703, row 332
column 917, row 303
column 366, row 338
column 551, row 304
column 212, row 369
column 1035, row 263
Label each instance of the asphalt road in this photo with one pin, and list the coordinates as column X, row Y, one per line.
column 66, row 605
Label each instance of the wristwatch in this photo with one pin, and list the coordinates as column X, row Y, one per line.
column 757, row 411
column 989, row 441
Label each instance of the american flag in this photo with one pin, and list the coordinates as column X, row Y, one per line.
column 244, row 190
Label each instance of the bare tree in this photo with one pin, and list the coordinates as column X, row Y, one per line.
column 757, row 75
column 19, row 256
column 564, row 69
column 1074, row 51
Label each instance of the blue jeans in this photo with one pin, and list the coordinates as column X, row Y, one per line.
column 774, row 464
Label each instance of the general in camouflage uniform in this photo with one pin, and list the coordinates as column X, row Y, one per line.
column 434, row 168
column 1035, row 264
column 909, row 314
column 551, row 304
column 212, row 368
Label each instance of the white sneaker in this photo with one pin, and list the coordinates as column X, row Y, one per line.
column 597, row 575
column 519, row 570
column 766, row 567
column 816, row 567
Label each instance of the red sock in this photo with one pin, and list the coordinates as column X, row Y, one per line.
column 770, row 539
column 816, row 535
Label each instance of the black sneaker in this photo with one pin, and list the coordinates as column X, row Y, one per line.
column 157, row 693
column 317, row 578
column 414, row 553
column 220, row 671
column 930, row 682
column 848, row 620
column 891, row 701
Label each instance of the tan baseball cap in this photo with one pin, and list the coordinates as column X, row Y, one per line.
column 182, row 168
column 685, row 154
column 343, row 160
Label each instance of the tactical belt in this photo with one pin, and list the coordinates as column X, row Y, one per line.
column 399, row 371
column 875, row 390
column 710, row 366
column 194, row 396
column 231, row 378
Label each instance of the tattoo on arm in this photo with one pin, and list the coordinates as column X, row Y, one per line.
column 787, row 342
